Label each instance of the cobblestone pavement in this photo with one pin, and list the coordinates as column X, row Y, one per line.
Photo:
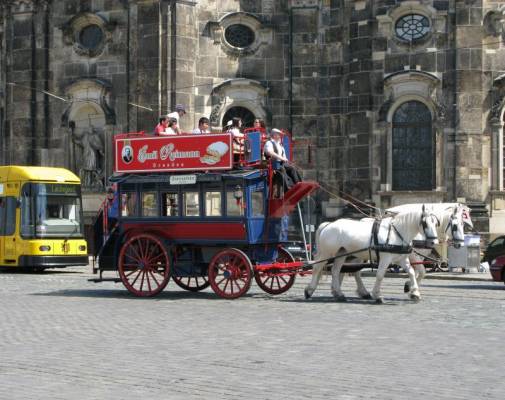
column 65, row 338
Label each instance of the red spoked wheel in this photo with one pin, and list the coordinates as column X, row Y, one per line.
column 230, row 273
column 144, row 265
column 192, row 283
column 272, row 282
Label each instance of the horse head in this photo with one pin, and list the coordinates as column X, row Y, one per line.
column 456, row 226
column 429, row 222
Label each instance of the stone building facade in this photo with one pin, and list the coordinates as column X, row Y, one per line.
column 390, row 101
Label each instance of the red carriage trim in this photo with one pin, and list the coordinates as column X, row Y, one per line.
column 138, row 153
column 193, row 230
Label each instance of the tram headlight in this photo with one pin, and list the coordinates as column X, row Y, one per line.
column 44, row 248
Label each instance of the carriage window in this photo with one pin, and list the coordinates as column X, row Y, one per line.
column 170, row 204
column 233, row 208
column 213, row 204
column 149, row 204
column 191, row 204
column 257, row 204
column 128, row 203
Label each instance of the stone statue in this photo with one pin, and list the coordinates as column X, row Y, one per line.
column 90, row 170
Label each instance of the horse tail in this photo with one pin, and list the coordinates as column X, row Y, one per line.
column 318, row 234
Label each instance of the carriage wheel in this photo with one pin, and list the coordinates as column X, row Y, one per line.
column 192, row 283
column 272, row 284
column 230, row 273
column 144, row 265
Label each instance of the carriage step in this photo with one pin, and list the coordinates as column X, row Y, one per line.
column 98, row 280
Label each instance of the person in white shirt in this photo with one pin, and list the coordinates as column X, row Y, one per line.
column 237, row 136
column 179, row 112
column 275, row 150
column 203, row 126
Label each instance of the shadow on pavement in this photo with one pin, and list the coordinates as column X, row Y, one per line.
column 468, row 286
column 124, row 294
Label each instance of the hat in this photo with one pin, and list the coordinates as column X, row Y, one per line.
column 275, row 131
column 180, row 107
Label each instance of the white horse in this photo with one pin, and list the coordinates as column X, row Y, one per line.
column 452, row 216
column 346, row 236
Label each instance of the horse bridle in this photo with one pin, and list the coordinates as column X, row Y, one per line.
column 453, row 227
column 424, row 224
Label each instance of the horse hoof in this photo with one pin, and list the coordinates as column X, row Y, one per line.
column 367, row 296
column 415, row 297
column 307, row 294
column 379, row 300
column 406, row 288
column 341, row 298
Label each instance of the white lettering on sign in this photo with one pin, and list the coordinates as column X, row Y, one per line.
column 169, row 151
column 145, row 155
column 182, row 179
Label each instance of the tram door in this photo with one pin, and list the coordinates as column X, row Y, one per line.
column 8, row 230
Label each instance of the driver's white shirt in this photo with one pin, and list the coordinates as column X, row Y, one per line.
column 269, row 148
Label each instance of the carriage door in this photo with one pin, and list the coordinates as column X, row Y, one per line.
column 8, row 230
column 256, row 211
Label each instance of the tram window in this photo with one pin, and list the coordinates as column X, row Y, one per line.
column 233, row 208
column 149, row 204
column 128, row 202
column 257, row 204
column 213, row 204
column 170, row 204
column 191, row 204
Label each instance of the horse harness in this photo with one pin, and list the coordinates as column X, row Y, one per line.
column 404, row 248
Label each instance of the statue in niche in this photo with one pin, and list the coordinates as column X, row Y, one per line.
column 91, row 168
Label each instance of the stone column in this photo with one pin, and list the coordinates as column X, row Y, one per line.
column 182, row 40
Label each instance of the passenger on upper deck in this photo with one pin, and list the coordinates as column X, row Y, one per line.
column 172, row 128
column 238, row 137
column 203, row 126
column 180, row 110
column 162, row 126
column 275, row 150
column 259, row 124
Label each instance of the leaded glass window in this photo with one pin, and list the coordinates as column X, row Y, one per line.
column 412, row 27
column 412, row 152
column 239, row 35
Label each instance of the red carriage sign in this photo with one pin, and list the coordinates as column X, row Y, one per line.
column 172, row 153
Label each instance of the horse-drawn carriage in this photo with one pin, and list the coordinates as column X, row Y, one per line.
column 190, row 213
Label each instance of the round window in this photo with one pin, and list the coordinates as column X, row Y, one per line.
column 239, row 35
column 412, row 27
column 91, row 36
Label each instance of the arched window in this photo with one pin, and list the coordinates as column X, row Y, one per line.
column 413, row 147
column 240, row 112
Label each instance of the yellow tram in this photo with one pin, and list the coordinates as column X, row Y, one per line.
column 41, row 224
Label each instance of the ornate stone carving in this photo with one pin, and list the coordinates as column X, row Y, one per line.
column 497, row 107
column 494, row 22
column 216, row 109
column 22, row 6
column 88, row 33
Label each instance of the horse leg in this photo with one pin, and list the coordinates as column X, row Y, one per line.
column 418, row 269
column 336, row 288
column 381, row 271
column 317, row 271
column 414, row 288
column 361, row 289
